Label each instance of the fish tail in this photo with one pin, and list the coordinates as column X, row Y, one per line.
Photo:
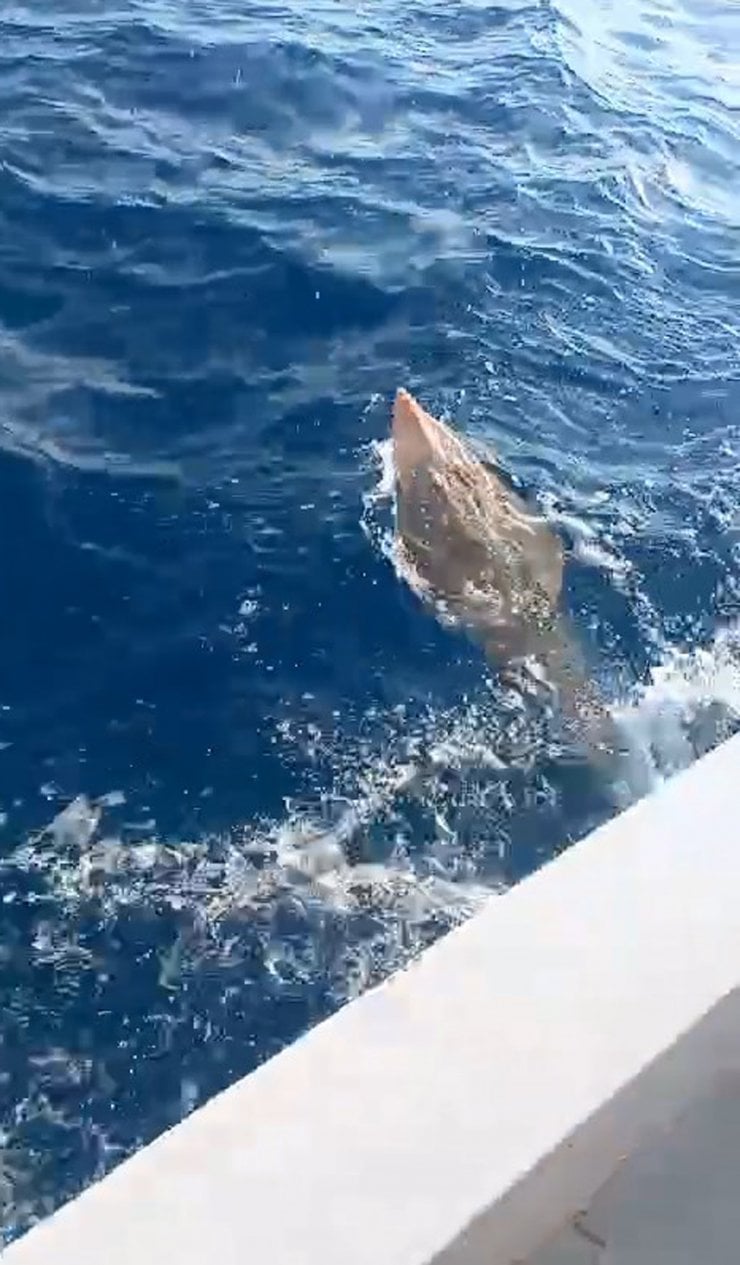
column 586, row 717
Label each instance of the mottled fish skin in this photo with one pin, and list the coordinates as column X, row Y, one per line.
column 486, row 560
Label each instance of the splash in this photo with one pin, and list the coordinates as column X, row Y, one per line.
column 377, row 518
column 690, row 702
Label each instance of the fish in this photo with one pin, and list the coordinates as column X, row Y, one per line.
column 490, row 564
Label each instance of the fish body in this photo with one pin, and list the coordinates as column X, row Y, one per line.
column 486, row 561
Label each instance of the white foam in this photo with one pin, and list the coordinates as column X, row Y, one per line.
column 689, row 704
column 597, row 555
column 378, row 502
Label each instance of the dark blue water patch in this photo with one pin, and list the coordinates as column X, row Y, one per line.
column 235, row 288
column 121, row 1052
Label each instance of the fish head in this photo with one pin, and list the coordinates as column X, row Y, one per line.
column 445, row 504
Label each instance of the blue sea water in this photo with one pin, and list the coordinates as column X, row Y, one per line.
column 243, row 773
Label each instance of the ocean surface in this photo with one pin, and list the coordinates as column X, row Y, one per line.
column 243, row 772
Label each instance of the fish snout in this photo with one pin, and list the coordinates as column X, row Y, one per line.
column 412, row 433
